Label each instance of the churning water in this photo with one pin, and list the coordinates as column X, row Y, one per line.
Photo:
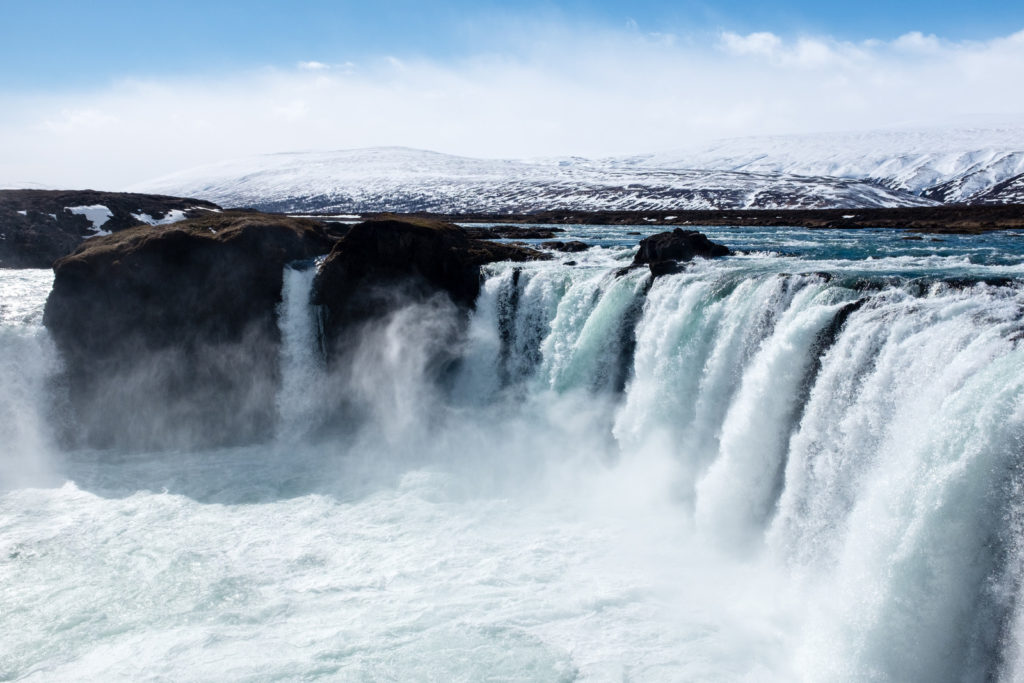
column 803, row 462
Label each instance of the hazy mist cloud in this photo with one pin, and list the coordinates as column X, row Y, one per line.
column 595, row 94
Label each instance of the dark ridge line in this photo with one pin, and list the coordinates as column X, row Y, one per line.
column 950, row 219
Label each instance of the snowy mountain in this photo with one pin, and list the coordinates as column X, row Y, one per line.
column 963, row 165
column 399, row 179
column 877, row 169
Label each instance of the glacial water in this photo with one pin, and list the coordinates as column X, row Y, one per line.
column 804, row 462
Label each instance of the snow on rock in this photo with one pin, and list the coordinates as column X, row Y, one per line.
column 97, row 214
column 23, row 213
column 172, row 216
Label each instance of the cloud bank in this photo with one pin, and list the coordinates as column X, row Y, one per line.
column 600, row 94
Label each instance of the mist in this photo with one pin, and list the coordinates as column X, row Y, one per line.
column 587, row 475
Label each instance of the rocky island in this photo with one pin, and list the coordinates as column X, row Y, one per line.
column 169, row 333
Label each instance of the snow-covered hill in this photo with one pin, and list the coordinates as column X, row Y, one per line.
column 400, row 179
column 962, row 165
column 875, row 169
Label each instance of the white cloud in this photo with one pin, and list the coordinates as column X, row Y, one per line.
column 314, row 66
column 79, row 120
column 596, row 94
column 915, row 41
column 804, row 52
column 761, row 43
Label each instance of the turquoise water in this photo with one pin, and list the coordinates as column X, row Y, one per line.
column 1004, row 247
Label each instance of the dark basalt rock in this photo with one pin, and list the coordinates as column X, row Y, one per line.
column 665, row 268
column 677, row 245
column 950, row 218
column 513, row 232
column 381, row 264
column 824, row 341
column 968, row 282
column 663, row 251
column 36, row 229
column 169, row 333
column 571, row 247
column 36, row 239
column 867, row 284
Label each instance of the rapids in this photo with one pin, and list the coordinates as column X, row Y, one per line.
column 803, row 462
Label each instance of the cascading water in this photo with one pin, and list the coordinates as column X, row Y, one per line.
column 300, row 398
column 769, row 467
column 27, row 364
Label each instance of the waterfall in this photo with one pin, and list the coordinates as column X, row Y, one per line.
column 300, row 398
column 28, row 364
column 732, row 472
column 867, row 437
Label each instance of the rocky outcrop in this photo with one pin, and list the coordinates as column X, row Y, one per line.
column 664, row 251
column 39, row 226
column 387, row 262
column 572, row 246
column 513, row 232
column 169, row 333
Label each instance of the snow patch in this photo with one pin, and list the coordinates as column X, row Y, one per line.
column 172, row 216
column 23, row 213
column 97, row 214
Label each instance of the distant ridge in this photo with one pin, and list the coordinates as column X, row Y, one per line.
column 852, row 170
column 963, row 165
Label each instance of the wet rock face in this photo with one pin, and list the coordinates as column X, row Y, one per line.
column 381, row 264
column 513, row 232
column 570, row 247
column 169, row 333
column 664, row 251
column 677, row 245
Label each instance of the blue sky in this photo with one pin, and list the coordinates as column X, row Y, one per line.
column 107, row 94
column 50, row 43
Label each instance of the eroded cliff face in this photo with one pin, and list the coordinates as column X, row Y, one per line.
column 168, row 333
column 385, row 263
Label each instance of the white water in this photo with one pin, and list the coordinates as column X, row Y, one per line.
column 300, row 397
column 27, row 360
column 722, row 517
